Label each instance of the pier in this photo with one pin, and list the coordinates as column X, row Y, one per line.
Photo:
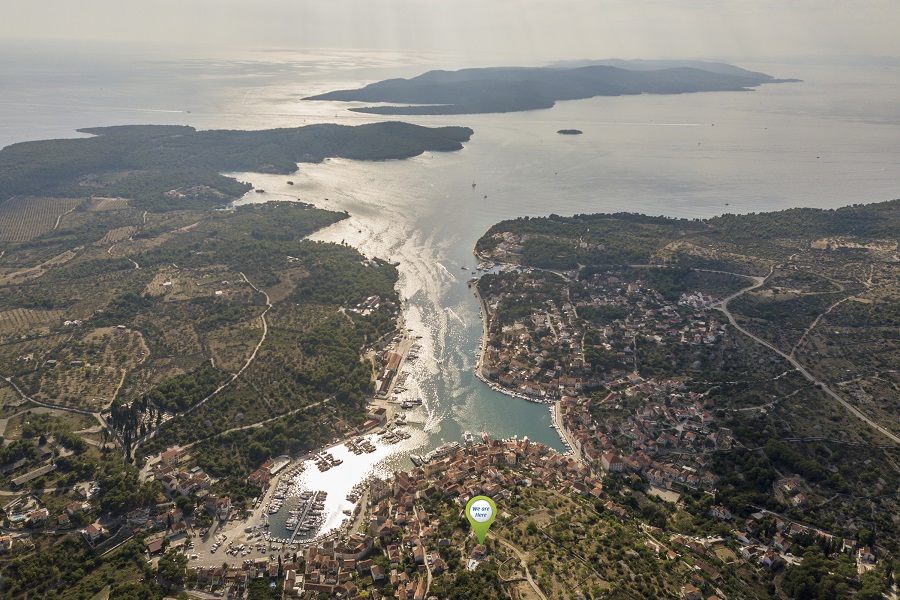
column 313, row 501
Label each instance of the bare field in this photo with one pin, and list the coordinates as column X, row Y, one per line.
column 167, row 280
column 168, row 336
column 129, row 246
column 156, row 371
column 187, row 284
column 78, row 385
column 294, row 318
column 878, row 398
column 724, row 554
column 28, row 355
column 101, row 204
column 63, row 419
column 290, row 278
column 522, row 590
column 9, row 400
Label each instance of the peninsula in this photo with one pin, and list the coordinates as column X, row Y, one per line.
column 750, row 356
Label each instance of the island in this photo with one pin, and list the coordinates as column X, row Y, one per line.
column 511, row 89
column 177, row 167
column 172, row 365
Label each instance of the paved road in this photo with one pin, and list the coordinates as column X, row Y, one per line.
column 53, row 406
column 258, row 424
column 564, row 433
column 723, row 307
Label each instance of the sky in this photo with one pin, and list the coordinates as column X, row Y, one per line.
column 516, row 31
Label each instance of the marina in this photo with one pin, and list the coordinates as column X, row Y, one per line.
column 359, row 446
column 308, row 514
column 325, row 461
column 500, row 389
column 318, row 497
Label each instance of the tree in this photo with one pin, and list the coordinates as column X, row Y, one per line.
column 873, row 586
column 866, row 537
column 172, row 569
column 186, row 504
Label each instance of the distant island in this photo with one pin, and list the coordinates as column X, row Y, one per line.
column 511, row 89
column 570, row 132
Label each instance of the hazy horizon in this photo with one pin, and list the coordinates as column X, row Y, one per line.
column 474, row 32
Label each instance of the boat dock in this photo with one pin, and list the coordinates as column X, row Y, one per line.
column 314, row 504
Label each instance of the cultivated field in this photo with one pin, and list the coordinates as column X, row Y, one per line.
column 17, row 277
column 230, row 347
column 87, row 370
column 26, row 321
column 24, row 218
column 116, row 235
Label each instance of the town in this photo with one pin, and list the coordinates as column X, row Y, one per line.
column 411, row 533
column 608, row 412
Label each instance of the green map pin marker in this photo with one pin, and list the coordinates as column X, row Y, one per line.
column 481, row 511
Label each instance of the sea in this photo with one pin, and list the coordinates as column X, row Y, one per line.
column 831, row 140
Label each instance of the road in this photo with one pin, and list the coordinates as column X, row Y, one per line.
column 759, row 281
column 564, row 433
column 145, row 470
column 427, row 559
column 815, row 323
column 259, row 424
column 87, row 413
column 262, row 317
column 110, row 249
column 485, row 323
column 137, row 442
column 524, row 560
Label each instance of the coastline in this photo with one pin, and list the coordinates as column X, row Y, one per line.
column 402, row 346
column 554, row 405
column 479, row 367
column 236, row 529
column 565, row 435
column 485, row 322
